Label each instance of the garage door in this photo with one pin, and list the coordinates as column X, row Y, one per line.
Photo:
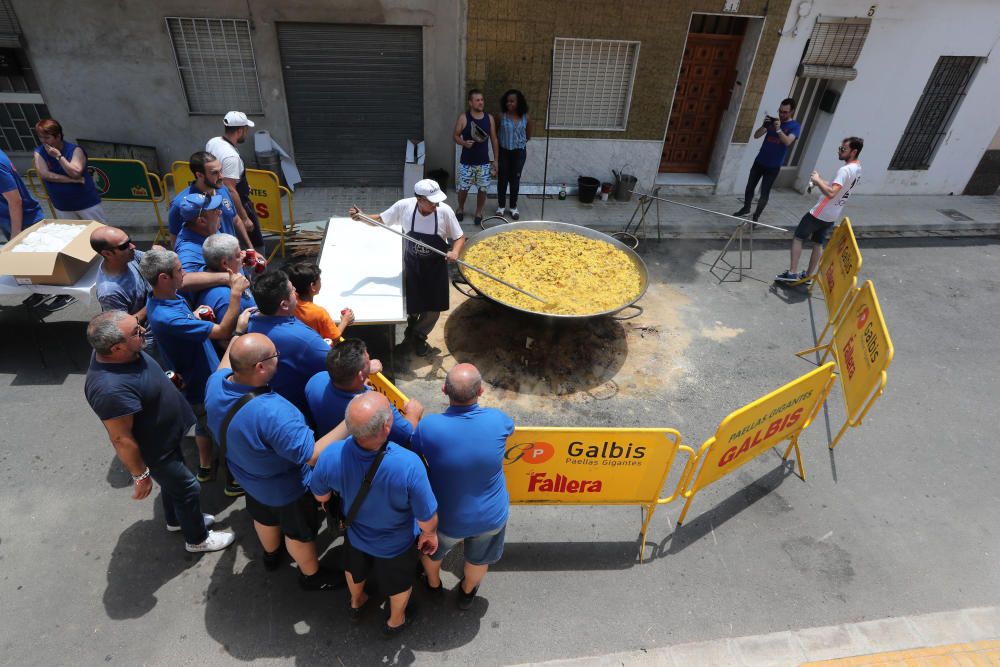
column 355, row 95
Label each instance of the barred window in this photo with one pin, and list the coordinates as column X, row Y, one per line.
column 215, row 60
column 935, row 109
column 591, row 84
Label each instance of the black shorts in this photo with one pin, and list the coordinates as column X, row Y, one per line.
column 298, row 520
column 813, row 229
column 391, row 575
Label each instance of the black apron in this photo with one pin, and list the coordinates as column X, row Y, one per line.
column 425, row 274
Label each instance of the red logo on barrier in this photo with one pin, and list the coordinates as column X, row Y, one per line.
column 101, row 180
column 863, row 317
column 531, row 452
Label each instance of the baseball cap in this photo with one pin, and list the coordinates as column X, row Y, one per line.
column 237, row 119
column 192, row 205
column 429, row 188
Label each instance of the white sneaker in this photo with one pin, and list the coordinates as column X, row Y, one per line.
column 209, row 520
column 515, row 214
column 500, row 211
column 216, row 541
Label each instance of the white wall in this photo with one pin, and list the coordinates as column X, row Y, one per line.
column 906, row 39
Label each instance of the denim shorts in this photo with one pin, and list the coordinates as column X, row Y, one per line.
column 483, row 549
column 473, row 174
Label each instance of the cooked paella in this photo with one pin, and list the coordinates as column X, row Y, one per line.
column 575, row 275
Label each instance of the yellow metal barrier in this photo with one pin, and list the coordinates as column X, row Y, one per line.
column 179, row 177
column 755, row 428
column 266, row 191
column 381, row 384
column 593, row 466
column 837, row 276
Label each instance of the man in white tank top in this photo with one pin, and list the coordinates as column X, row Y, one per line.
column 815, row 225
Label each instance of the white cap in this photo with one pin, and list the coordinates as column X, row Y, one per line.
column 429, row 188
column 237, row 119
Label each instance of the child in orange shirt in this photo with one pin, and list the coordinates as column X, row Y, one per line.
column 305, row 279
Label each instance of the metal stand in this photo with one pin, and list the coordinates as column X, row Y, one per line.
column 642, row 207
column 744, row 229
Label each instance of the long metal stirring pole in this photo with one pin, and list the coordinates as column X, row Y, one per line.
column 444, row 254
column 708, row 210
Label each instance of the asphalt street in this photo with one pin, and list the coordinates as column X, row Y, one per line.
column 898, row 520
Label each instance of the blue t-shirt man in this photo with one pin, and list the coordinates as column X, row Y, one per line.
column 328, row 405
column 127, row 291
column 217, row 298
column 189, row 250
column 773, row 150
column 464, row 448
column 160, row 415
column 303, row 354
column 226, row 226
column 184, row 342
column 400, row 495
column 10, row 180
column 268, row 443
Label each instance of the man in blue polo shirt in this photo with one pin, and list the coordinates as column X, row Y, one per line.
column 781, row 133
column 223, row 255
column 18, row 209
column 398, row 508
column 303, row 351
column 207, row 172
column 347, row 369
column 269, row 450
column 464, row 449
column 201, row 215
column 185, row 341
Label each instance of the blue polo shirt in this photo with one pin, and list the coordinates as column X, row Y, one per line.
column 174, row 221
column 303, row 354
column 183, row 341
column 217, row 298
column 772, row 151
column 400, row 495
column 464, row 448
column 268, row 443
column 327, row 404
column 188, row 249
column 10, row 180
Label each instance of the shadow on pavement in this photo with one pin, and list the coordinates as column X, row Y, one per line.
column 762, row 490
column 253, row 613
column 560, row 556
column 41, row 354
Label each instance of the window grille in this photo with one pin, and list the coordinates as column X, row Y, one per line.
column 935, row 109
column 215, row 60
column 16, row 123
column 591, row 84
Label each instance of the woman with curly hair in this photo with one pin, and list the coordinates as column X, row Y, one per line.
column 514, row 132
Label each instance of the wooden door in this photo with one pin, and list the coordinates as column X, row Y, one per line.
column 703, row 91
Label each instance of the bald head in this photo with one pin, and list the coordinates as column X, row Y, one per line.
column 248, row 350
column 464, row 384
column 368, row 416
column 107, row 238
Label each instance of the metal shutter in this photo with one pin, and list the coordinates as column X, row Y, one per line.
column 355, row 95
column 591, row 83
column 834, row 48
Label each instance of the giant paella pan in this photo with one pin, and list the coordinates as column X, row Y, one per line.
column 578, row 272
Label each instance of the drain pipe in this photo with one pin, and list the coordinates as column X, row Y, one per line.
column 548, row 109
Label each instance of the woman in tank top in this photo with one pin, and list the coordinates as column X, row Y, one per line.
column 514, row 132
column 68, row 182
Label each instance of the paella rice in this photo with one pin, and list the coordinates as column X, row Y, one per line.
column 575, row 275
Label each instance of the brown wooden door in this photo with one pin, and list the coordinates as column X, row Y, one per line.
column 703, row 90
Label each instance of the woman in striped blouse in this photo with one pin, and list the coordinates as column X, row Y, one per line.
column 514, row 132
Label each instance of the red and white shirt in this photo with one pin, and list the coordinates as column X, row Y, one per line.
column 830, row 208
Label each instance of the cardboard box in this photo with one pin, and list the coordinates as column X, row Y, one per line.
column 50, row 268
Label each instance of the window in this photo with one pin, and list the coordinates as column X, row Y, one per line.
column 833, row 48
column 21, row 103
column 932, row 116
column 591, row 84
column 216, row 64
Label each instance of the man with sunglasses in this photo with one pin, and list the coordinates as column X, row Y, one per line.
column 815, row 225
column 270, row 451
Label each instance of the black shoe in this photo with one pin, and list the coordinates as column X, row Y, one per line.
column 357, row 613
column 479, row 221
column 755, row 216
column 59, row 302
column 35, row 299
column 272, row 559
column 421, row 347
column 233, row 489
column 206, row 474
column 742, row 211
column 459, row 215
column 435, row 591
column 410, row 614
column 465, row 599
column 325, row 579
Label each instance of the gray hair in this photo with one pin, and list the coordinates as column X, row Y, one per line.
column 217, row 248
column 103, row 332
column 371, row 428
column 155, row 262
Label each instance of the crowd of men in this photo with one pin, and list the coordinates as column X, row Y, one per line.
column 195, row 338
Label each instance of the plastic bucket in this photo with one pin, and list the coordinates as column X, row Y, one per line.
column 587, row 188
column 624, row 185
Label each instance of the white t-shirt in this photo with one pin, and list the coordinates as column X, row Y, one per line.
column 401, row 212
column 829, row 209
column 232, row 163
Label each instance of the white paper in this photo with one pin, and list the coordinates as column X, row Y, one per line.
column 50, row 238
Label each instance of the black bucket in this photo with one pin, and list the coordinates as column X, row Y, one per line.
column 588, row 189
column 624, row 184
